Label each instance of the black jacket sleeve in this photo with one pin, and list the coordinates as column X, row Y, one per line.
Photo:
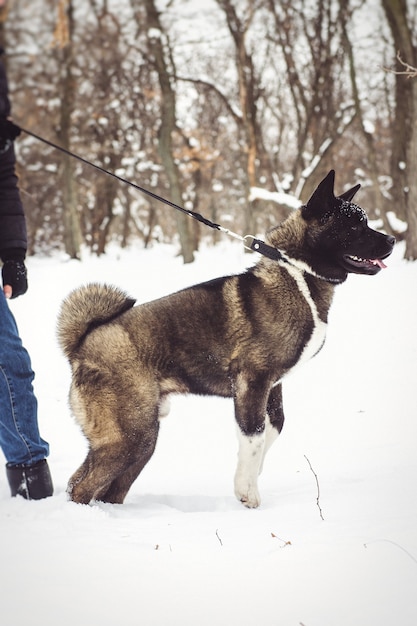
column 13, row 236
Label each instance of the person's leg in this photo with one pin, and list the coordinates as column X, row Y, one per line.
column 20, row 439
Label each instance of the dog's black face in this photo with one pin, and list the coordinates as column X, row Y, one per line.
column 339, row 232
column 358, row 248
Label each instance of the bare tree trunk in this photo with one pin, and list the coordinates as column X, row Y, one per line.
column 3, row 17
column 167, row 128
column 378, row 198
column 102, row 215
column 411, row 234
column 72, row 228
column 404, row 131
column 321, row 120
column 247, row 100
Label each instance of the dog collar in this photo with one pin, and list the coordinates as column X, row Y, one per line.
column 257, row 245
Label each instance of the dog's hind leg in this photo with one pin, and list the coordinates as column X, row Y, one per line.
column 78, row 476
column 109, row 470
column 119, row 417
column 250, row 409
column 96, row 473
column 117, row 490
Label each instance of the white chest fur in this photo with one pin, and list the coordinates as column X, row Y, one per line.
column 318, row 335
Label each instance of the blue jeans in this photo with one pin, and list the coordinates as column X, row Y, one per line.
column 19, row 433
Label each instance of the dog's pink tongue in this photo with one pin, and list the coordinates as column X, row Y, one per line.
column 380, row 263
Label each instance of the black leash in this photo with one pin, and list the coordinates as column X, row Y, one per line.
column 249, row 241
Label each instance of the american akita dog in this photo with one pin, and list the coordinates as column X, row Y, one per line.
column 235, row 336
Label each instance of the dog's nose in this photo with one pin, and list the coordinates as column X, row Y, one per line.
column 390, row 240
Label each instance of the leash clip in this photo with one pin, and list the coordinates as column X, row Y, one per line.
column 250, row 243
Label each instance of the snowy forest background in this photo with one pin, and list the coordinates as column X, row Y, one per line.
column 222, row 106
column 231, row 108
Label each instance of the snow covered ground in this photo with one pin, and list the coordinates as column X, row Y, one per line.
column 181, row 550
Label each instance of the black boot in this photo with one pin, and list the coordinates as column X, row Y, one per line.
column 33, row 482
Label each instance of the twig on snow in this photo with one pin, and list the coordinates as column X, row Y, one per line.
column 318, row 487
column 394, row 543
column 218, row 537
column 285, row 543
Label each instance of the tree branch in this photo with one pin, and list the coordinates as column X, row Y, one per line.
column 409, row 71
column 237, row 115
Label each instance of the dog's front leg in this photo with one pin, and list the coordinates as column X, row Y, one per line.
column 250, row 410
column 274, row 418
column 250, row 455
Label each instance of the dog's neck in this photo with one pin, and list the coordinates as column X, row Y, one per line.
column 304, row 267
column 297, row 253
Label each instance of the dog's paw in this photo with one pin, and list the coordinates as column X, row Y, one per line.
column 249, row 497
column 250, row 504
column 246, row 487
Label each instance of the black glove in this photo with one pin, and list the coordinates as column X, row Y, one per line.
column 8, row 133
column 14, row 273
column 8, row 129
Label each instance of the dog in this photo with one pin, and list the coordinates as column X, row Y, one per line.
column 235, row 336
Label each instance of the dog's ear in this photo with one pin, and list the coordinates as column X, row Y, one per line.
column 323, row 199
column 348, row 195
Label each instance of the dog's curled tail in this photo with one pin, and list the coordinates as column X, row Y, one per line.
column 86, row 308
